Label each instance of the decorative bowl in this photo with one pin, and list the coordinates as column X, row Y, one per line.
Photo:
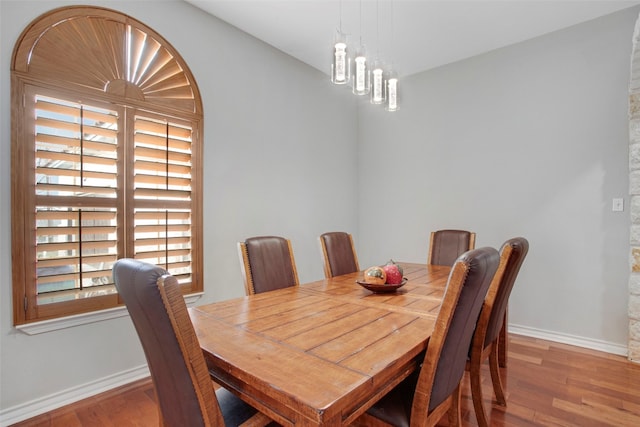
column 382, row 288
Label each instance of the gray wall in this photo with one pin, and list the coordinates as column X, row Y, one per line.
column 527, row 140
column 279, row 152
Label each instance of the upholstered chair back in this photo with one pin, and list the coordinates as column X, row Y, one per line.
column 339, row 254
column 519, row 249
column 184, row 389
column 446, row 245
column 478, row 267
column 267, row 264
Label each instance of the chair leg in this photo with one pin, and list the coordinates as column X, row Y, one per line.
column 503, row 341
column 495, row 374
column 476, row 389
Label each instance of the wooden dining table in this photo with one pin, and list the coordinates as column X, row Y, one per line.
column 320, row 354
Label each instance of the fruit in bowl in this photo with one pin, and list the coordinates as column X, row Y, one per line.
column 392, row 262
column 375, row 275
column 393, row 273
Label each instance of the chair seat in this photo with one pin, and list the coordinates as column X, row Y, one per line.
column 235, row 411
column 395, row 407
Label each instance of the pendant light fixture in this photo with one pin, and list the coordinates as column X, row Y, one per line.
column 365, row 76
column 378, row 85
column 392, row 92
column 340, row 62
column 361, row 75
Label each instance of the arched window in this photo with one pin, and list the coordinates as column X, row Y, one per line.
column 106, row 160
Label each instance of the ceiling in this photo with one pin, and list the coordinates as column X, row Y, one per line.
column 415, row 35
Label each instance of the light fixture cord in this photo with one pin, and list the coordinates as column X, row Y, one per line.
column 360, row 22
column 378, row 28
column 393, row 40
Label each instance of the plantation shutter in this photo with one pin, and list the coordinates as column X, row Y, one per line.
column 162, row 194
column 78, row 222
column 76, row 185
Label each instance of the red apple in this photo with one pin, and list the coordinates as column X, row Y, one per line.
column 391, row 261
column 394, row 276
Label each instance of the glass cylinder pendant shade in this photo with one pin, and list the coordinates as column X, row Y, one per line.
column 392, row 92
column 360, row 79
column 340, row 62
column 378, row 85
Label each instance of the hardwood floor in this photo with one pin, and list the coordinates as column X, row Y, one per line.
column 546, row 384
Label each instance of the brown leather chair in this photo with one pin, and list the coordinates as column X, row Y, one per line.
column 267, row 264
column 490, row 323
column 339, row 254
column 184, row 389
column 434, row 390
column 447, row 245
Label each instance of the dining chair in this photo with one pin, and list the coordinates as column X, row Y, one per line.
column 267, row 264
column 185, row 392
column 486, row 338
column 433, row 390
column 447, row 245
column 339, row 253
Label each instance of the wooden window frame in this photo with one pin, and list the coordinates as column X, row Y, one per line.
column 164, row 90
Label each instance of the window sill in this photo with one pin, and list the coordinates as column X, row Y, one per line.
column 86, row 318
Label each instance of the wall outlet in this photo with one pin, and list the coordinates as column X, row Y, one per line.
column 618, row 205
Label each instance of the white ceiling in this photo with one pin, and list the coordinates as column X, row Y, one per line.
column 415, row 35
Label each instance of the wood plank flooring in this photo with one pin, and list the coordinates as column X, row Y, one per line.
column 546, row 383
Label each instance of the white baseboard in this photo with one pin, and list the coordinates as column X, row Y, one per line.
column 59, row 399
column 578, row 341
column 48, row 403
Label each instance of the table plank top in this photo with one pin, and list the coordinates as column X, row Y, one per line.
column 320, row 353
